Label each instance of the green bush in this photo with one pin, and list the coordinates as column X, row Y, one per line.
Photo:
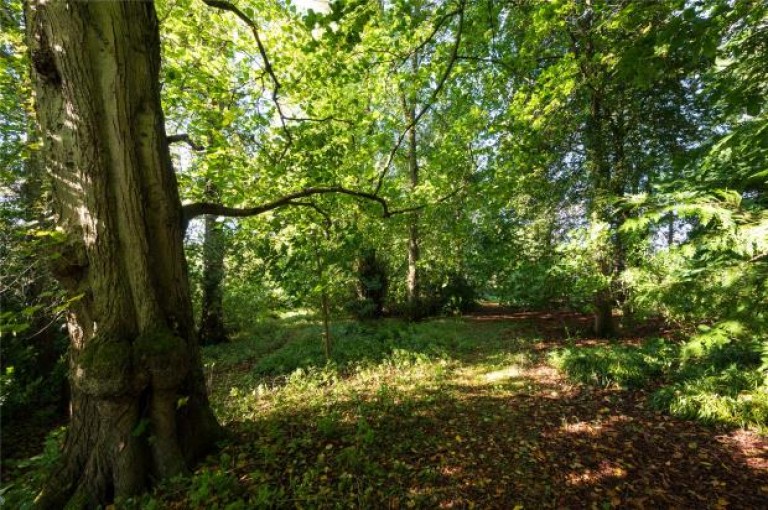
column 371, row 287
column 21, row 494
column 623, row 366
column 733, row 396
column 458, row 295
column 449, row 293
column 713, row 378
column 32, row 375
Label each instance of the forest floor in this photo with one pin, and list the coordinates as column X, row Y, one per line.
column 451, row 413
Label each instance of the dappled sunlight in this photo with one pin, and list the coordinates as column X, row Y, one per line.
column 596, row 427
column 503, row 374
column 471, row 418
column 583, row 427
column 752, row 447
column 586, row 476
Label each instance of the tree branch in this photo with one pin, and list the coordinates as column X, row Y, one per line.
column 326, row 217
column 432, row 99
column 184, row 138
column 192, row 211
column 330, row 118
column 226, row 6
column 435, row 29
column 486, row 60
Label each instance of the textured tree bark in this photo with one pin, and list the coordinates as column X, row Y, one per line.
column 212, row 330
column 139, row 410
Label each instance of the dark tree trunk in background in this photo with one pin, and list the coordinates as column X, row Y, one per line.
column 135, row 367
column 372, row 283
column 412, row 281
column 598, row 165
column 671, row 230
column 212, row 330
column 600, row 174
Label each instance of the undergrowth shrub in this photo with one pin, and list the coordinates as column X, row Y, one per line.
column 720, row 379
column 32, row 473
column 714, row 377
column 733, row 396
column 371, row 287
column 623, row 366
column 442, row 293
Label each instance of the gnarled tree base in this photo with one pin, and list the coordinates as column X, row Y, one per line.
column 117, row 447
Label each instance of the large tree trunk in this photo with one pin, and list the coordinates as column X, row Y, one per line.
column 139, row 411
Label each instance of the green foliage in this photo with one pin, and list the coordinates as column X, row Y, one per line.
column 623, row 366
column 32, row 340
column 714, row 377
column 734, row 396
column 30, row 473
column 25, row 384
column 32, row 345
column 568, row 277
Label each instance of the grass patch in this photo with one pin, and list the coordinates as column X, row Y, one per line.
column 293, row 371
column 358, row 344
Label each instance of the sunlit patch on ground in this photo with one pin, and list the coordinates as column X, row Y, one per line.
column 586, row 476
column 582, row 427
column 752, row 446
column 503, row 374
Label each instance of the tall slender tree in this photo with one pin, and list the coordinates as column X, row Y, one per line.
column 212, row 330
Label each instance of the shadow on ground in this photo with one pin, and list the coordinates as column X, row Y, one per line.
column 502, row 437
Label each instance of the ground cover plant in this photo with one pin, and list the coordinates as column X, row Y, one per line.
column 457, row 413
column 464, row 413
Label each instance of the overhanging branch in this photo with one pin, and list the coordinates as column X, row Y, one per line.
column 192, row 211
